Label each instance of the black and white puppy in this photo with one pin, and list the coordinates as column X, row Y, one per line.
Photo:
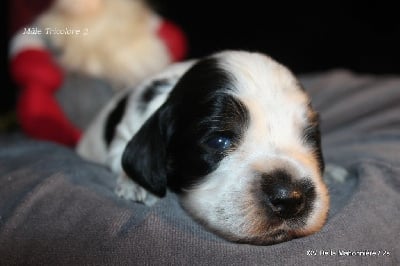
column 234, row 135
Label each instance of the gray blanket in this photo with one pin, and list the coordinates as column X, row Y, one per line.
column 58, row 209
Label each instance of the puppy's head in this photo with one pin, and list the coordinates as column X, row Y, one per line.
column 238, row 139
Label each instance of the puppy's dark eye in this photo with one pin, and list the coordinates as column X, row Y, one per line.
column 219, row 143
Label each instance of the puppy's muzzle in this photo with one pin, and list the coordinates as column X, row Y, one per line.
column 287, row 197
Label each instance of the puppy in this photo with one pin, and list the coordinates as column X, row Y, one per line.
column 233, row 134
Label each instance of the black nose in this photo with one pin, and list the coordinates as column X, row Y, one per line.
column 286, row 201
column 286, row 197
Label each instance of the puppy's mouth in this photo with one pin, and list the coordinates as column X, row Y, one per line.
column 270, row 239
column 267, row 226
column 262, row 230
column 278, row 233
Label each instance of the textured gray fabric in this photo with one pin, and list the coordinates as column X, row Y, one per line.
column 60, row 210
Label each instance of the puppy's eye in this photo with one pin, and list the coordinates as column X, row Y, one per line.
column 219, row 143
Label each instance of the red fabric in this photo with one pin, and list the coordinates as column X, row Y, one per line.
column 174, row 39
column 39, row 114
column 35, row 66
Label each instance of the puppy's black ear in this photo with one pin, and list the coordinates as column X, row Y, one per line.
column 144, row 159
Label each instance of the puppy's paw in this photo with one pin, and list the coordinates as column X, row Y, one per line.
column 126, row 188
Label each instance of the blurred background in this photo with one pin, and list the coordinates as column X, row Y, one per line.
column 307, row 37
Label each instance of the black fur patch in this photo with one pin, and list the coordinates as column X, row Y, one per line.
column 203, row 108
column 113, row 119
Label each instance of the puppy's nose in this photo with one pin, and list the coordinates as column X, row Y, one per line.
column 285, row 196
column 286, row 201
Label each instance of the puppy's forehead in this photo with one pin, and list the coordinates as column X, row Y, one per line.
column 273, row 96
column 259, row 76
